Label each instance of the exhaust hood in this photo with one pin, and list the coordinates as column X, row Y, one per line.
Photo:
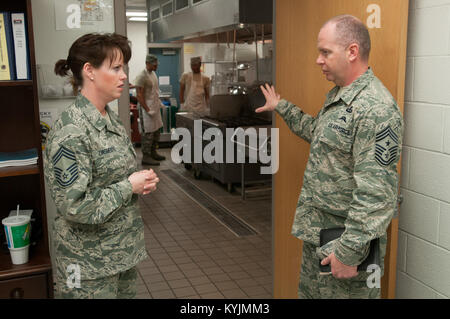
column 211, row 21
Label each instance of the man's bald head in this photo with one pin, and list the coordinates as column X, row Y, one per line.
column 348, row 30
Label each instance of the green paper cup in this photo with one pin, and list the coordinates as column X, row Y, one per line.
column 17, row 230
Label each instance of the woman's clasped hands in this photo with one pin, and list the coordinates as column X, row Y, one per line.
column 144, row 181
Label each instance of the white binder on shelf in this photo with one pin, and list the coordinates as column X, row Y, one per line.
column 20, row 46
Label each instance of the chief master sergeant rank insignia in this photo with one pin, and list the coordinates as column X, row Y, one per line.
column 386, row 146
column 65, row 167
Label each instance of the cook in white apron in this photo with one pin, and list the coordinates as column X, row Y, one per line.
column 196, row 98
column 151, row 122
column 152, row 119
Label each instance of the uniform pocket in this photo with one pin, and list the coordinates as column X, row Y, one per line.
column 111, row 165
column 67, row 236
column 337, row 137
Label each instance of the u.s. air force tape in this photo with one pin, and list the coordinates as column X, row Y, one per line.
column 65, row 167
column 386, row 146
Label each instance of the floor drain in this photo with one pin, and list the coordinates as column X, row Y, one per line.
column 222, row 214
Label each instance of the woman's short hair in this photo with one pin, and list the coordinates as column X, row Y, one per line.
column 93, row 48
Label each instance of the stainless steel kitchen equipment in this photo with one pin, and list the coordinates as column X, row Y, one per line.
column 228, row 111
column 208, row 19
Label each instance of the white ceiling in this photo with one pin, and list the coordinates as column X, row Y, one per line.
column 135, row 4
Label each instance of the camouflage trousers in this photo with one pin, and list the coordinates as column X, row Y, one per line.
column 150, row 142
column 119, row 286
column 312, row 285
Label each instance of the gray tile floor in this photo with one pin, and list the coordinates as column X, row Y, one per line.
column 191, row 254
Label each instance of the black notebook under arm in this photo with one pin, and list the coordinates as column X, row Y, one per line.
column 327, row 235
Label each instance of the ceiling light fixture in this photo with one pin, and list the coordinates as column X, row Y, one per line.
column 136, row 14
column 137, row 19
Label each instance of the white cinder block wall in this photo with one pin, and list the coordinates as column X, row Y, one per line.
column 423, row 264
column 137, row 34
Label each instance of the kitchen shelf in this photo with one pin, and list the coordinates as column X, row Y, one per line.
column 24, row 185
column 16, row 83
column 19, row 170
column 39, row 261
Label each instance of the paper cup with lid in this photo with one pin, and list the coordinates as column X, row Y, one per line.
column 17, row 231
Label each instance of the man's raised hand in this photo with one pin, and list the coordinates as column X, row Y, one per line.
column 272, row 99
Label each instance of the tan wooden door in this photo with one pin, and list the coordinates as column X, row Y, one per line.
column 299, row 79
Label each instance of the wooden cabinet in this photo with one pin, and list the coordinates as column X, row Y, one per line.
column 20, row 130
column 29, row 287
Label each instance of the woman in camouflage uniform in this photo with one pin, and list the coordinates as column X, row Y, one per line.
column 91, row 171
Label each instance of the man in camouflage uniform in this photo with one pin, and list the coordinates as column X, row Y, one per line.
column 351, row 178
column 98, row 231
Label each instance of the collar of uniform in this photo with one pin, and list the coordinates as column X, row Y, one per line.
column 113, row 123
column 91, row 112
column 332, row 96
column 348, row 93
